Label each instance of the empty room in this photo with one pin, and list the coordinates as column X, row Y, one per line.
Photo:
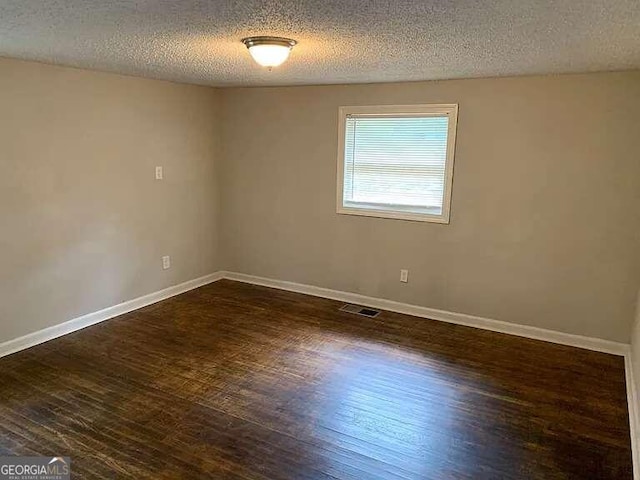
column 312, row 239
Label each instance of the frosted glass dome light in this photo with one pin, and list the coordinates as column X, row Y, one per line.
column 269, row 51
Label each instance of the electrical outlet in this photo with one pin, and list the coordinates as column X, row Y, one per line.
column 166, row 262
column 159, row 174
column 404, row 276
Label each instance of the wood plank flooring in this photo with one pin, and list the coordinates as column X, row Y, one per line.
column 233, row 381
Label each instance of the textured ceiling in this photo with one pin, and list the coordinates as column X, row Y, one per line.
column 198, row 41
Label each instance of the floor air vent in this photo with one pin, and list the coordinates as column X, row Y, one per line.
column 360, row 310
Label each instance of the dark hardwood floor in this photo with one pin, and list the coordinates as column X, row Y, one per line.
column 232, row 381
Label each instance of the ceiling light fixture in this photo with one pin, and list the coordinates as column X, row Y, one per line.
column 269, row 51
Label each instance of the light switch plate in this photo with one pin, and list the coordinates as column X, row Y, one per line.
column 404, row 276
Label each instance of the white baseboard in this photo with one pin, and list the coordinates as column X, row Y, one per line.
column 536, row 333
column 78, row 323
column 634, row 412
column 83, row 321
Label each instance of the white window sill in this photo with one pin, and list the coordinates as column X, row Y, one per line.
column 409, row 214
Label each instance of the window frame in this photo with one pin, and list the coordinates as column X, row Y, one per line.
column 448, row 109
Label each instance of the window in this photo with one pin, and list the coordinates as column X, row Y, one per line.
column 397, row 161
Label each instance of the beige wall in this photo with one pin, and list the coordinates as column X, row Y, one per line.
column 545, row 222
column 84, row 223
column 545, row 211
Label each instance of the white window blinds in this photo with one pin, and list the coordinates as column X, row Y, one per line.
column 395, row 161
